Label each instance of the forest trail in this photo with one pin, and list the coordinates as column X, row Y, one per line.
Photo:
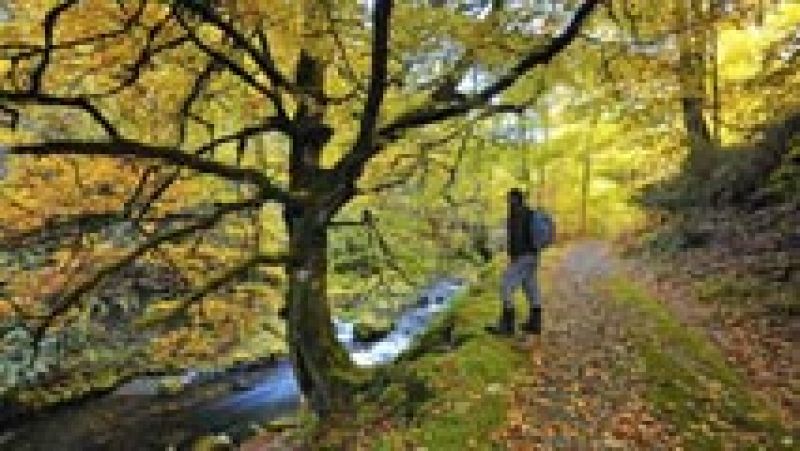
column 615, row 369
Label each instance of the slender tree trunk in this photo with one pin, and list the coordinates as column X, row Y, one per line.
column 692, row 47
column 716, row 12
column 585, row 185
column 542, row 184
column 545, row 119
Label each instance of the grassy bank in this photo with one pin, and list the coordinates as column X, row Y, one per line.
column 449, row 391
column 689, row 382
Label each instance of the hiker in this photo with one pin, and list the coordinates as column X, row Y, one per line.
column 528, row 232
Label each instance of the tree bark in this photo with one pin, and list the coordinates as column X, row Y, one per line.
column 692, row 71
column 323, row 368
column 321, row 363
column 585, row 187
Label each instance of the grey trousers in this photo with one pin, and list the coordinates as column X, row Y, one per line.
column 521, row 272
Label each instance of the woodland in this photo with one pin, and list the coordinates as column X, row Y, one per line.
column 215, row 187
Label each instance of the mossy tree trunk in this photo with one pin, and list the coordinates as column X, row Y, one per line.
column 321, row 363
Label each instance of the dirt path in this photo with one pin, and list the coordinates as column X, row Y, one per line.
column 575, row 397
column 594, row 383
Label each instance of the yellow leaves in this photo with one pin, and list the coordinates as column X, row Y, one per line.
column 217, row 326
column 6, row 309
column 517, row 418
column 635, row 425
column 188, row 344
column 156, row 311
column 741, row 53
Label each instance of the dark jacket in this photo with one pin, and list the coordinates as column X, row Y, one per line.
column 518, row 232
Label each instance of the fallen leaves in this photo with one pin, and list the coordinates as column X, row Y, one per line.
column 582, row 387
column 634, row 423
column 764, row 347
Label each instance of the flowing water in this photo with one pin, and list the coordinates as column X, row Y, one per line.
column 136, row 418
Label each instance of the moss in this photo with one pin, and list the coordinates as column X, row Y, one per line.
column 689, row 381
column 444, row 392
column 171, row 385
column 727, row 289
column 213, row 443
column 372, row 328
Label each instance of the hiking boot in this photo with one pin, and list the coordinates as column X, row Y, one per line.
column 505, row 325
column 534, row 323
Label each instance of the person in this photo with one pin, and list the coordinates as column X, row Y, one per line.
column 521, row 269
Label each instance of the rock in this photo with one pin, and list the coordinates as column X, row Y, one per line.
column 214, row 443
column 169, row 386
column 494, row 388
column 240, row 384
column 791, row 241
column 368, row 333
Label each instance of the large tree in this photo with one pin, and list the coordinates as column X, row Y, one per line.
column 290, row 101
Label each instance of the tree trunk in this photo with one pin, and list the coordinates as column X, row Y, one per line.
column 716, row 116
column 693, row 46
column 585, row 186
column 321, row 363
column 323, row 368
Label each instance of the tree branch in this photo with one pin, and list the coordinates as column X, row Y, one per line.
column 198, row 87
column 72, row 102
column 262, row 58
column 50, row 22
column 349, row 167
column 232, row 66
column 168, row 155
column 352, row 165
column 28, row 50
column 71, row 298
column 377, row 83
column 241, row 136
column 232, row 275
column 431, row 113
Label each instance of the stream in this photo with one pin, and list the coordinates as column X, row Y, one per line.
column 135, row 417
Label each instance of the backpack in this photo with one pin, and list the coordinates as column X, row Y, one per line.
column 542, row 229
